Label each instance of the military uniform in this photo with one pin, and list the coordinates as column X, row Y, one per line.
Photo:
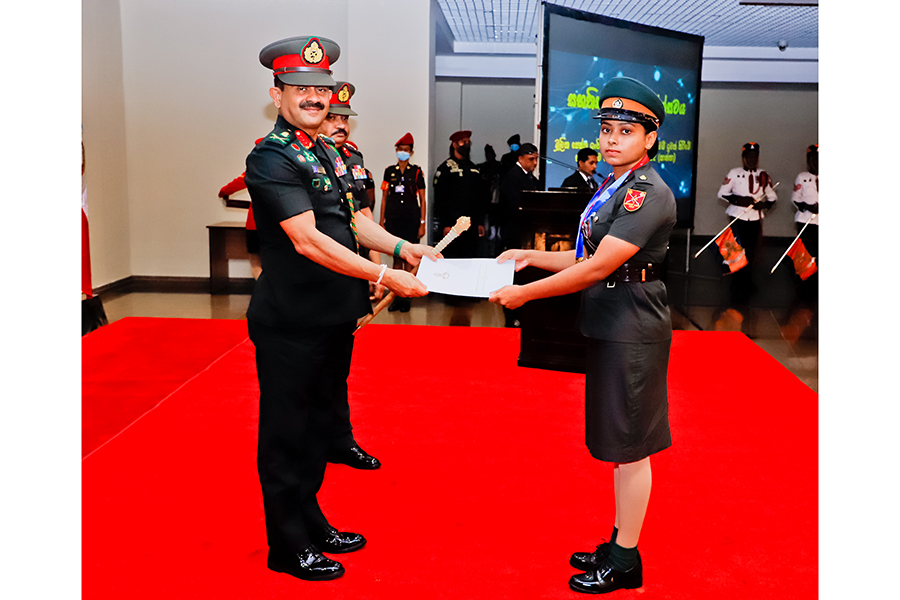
column 741, row 187
column 805, row 197
column 402, row 211
column 301, row 320
column 629, row 328
column 460, row 190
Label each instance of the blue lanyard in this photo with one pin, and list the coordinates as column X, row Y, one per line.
column 598, row 200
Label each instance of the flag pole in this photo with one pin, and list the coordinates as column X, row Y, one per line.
column 709, row 243
column 792, row 244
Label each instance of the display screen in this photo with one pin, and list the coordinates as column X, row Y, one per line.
column 583, row 51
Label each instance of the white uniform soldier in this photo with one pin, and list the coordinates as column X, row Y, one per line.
column 744, row 187
column 806, row 190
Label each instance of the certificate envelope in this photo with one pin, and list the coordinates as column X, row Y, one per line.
column 473, row 277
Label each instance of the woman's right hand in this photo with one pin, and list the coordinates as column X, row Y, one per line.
column 522, row 258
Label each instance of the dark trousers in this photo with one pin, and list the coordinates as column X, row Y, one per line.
column 301, row 377
column 747, row 234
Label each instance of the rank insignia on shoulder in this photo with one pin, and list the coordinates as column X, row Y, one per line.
column 643, row 178
column 278, row 139
column 304, row 139
column 634, row 199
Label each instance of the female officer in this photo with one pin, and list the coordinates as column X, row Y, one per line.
column 624, row 232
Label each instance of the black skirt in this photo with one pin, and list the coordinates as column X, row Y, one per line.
column 626, row 405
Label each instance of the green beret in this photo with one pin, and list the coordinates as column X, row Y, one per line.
column 627, row 99
column 304, row 60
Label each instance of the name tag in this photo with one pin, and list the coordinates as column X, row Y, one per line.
column 399, row 189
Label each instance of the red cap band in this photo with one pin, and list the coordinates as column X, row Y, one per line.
column 294, row 63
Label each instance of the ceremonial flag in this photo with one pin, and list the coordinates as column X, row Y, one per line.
column 732, row 252
column 804, row 263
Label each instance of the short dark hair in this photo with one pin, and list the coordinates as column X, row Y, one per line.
column 279, row 84
column 526, row 148
column 585, row 153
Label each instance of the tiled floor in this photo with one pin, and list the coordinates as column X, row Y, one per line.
column 790, row 335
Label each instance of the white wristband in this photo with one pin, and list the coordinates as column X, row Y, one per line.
column 380, row 275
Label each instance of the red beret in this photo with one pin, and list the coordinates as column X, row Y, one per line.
column 406, row 139
column 460, row 135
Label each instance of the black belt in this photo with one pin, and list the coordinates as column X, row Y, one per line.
column 634, row 272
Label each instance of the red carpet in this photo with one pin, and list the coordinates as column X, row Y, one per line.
column 131, row 365
column 486, row 486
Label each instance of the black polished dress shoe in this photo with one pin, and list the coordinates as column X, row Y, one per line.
column 338, row 542
column 354, row 457
column 587, row 561
column 308, row 564
column 607, row 579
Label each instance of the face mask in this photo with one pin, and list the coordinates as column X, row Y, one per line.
column 513, row 147
column 464, row 150
column 402, row 155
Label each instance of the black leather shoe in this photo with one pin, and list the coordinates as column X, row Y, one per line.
column 338, row 542
column 396, row 304
column 606, row 579
column 308, row 564
column 587, row 561
column 355, row 457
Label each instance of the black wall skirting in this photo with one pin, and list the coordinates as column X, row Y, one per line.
column 170, row 285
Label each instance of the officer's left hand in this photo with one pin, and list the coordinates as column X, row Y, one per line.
column 413, row 253
column 509, row 296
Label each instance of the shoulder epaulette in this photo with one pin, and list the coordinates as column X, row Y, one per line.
column 282, row 136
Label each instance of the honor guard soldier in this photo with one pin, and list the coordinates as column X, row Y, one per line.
column 306, row 303
column 403, row 204
column 806, row 199
column 623, row 236
column 744, row 187
column 460, row 190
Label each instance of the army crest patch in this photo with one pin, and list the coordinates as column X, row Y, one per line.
column 313, row 52
column 634, row 199
column 343, row 94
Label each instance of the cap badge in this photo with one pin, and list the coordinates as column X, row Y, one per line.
column 343, row 94
column 617, row 103
column 634, row 199
column 313, row 53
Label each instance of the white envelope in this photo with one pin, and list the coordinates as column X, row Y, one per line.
column 472, row 277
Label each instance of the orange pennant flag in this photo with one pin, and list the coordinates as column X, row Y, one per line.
column 732, row 252
column 804, row 263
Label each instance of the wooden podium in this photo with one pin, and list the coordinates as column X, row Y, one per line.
column 549, row 328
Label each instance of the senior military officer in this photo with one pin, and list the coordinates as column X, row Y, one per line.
column 306, row 303
column 460, row 190
column 336, row 127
